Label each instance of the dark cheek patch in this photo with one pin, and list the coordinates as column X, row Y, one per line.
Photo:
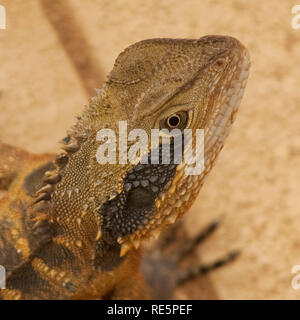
column 140, row 198
column 134, row 207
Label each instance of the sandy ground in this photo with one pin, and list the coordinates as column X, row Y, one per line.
column 53, row 55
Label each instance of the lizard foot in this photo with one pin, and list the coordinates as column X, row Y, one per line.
column 162, row 262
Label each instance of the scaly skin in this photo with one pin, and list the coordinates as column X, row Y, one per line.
column 72, row 228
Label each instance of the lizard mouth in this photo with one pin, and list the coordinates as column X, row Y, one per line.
column 226, row 108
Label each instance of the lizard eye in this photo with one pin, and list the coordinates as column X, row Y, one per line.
column 176, row 120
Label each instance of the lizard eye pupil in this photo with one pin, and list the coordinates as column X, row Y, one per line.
column 173, row 121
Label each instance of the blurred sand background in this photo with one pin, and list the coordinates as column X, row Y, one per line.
column 54, row 53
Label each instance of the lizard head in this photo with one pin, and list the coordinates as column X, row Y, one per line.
column 159, row 84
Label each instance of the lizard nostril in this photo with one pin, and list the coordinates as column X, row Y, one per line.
column 220, row 62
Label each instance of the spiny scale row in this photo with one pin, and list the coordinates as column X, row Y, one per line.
column 53, row 177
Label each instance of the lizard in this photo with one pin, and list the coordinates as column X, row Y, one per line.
column 71, row 228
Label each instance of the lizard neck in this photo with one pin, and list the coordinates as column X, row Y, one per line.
column 81, row 186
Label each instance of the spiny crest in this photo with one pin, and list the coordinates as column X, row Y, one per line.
column 71, row 144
